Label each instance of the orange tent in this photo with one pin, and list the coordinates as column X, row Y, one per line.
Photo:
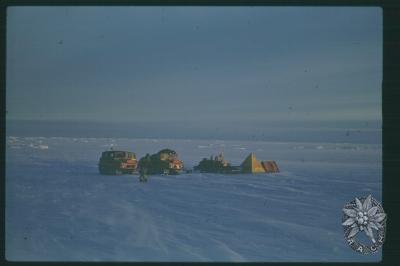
column 251, row 165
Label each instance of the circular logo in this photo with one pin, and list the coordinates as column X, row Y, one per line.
column 364, row 215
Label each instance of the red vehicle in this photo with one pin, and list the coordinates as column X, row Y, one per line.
column 117, row 162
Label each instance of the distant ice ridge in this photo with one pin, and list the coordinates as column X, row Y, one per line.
column 203, row 146
column 234, row 151
column 40, row 146
column 32, row 142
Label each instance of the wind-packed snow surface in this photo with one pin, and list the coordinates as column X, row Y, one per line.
column 59, row 208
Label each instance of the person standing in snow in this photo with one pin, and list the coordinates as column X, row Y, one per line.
column 142, row 176
column 144, row 163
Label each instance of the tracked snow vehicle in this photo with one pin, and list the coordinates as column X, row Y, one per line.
column 117, row 162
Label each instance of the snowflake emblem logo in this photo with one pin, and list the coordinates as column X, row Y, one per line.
column 364, row 215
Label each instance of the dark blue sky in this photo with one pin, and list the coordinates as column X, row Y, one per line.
column 194, row 63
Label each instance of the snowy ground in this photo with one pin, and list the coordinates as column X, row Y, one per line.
column 58, row 207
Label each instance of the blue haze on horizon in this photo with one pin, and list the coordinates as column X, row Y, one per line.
column 195, row 65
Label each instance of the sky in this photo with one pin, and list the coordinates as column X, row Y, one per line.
column 194, row 64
